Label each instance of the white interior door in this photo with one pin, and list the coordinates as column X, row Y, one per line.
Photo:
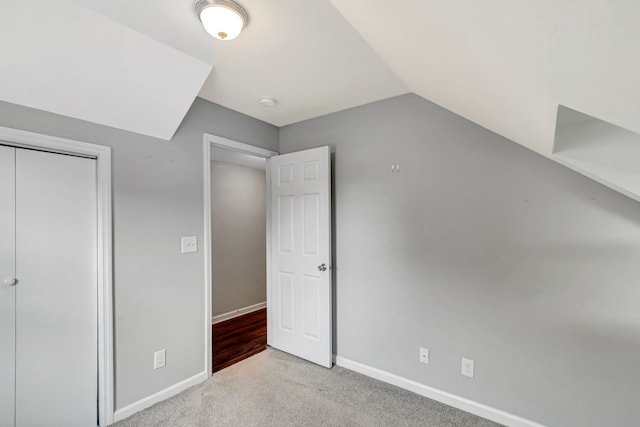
column 56, row 293
column 7, row 290
column 299, row 290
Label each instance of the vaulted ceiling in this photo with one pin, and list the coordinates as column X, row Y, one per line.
column 504, row 65
column 63, row 57
column 137, row 65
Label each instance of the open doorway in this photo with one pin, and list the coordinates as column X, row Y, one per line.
column 238, row 250
column 298, row 275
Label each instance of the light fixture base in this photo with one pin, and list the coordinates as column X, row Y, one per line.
column 268, row 101
column 229, row 5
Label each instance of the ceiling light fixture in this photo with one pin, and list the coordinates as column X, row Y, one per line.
column 223, row 19
column 267, row 101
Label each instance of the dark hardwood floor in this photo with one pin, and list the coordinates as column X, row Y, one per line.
column 238, row 338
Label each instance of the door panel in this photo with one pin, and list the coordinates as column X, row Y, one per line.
column 286, row 302
column 311, row 229
column 56, row 300
column 285, row 218
column 7, row 291
column 311, row 297
column 299, row 295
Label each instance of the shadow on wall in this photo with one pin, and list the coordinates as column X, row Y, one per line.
column 334, row 257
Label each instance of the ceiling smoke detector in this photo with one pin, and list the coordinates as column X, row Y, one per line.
column 223, row 19
column 267, row 101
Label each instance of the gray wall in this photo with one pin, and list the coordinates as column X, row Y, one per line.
column 157, row 197
column 480, row 248
column 238, row 237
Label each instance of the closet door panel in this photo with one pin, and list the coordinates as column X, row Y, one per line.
column 56, row 297
column 7, row 290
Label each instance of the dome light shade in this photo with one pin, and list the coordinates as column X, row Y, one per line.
column 223, row 19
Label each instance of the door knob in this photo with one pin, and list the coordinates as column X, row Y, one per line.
column 322, row 267
column 10, row 281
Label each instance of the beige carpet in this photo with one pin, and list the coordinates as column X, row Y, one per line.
column 275, row 389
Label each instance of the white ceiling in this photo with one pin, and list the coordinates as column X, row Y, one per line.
column 506, row 65
column 172, row 22
column 237, row 158
column 58, row 56
column 305, row 55
column 503, row 65
column 128, row 65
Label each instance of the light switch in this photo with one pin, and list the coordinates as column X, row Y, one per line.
column 189, row 244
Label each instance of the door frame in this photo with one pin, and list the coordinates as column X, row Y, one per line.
column 102, row 155
column 207, row 141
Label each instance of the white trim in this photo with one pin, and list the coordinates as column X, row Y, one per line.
column 568, row 162
column 462, row 403
column 102, row 154
column 237, row 313
column 165, row 394
column 206, row 167
column 241, row 147
column 268, row 228
column 207, row 141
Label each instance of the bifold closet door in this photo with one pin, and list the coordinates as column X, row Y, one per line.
column 56, row 294
column 7, row 290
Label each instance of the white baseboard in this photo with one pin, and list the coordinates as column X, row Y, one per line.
column 462, row 403
column 235, row 313
column 168, row 392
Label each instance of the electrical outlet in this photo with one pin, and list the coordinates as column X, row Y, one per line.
column 159, row 359
column 467, row 367
column 424, row 355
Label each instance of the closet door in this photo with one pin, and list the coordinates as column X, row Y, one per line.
column 7, row 290
column 56, row 294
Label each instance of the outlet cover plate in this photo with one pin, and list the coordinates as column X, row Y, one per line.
column 424, row 355
column 159, row 359
column 468, row 367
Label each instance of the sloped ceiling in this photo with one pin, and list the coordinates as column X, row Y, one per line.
column 61, row 57
column 171, row 22
column 138, row 66
column 506, row 65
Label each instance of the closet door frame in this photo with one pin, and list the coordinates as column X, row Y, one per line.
column 102, row 154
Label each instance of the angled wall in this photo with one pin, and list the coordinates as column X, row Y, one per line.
column 62, row 57
column 480, row 248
